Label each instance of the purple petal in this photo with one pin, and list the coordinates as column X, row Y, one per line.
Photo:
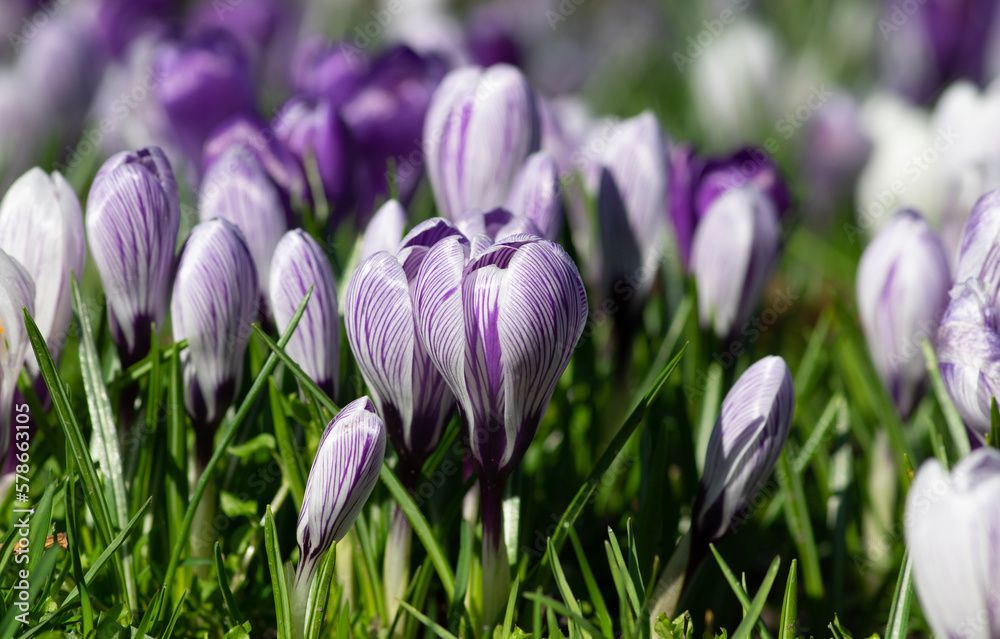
column 535, row 194
column 17, row 292
column 496, row 224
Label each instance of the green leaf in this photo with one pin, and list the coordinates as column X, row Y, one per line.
column 260, row 443
column 799, row 525
column 227, row 595
column 600, row 608
column 172, row 623
column 902, row 598
column 38, row 578
column 508, row 618
column 87, row 608
column 457, row 610
column 319, row 593
column 282, row 609
column 437, row 629
column 738, row 590
column 291, row 461
column 307, row 383
column 176, row 478
column 564, row 590
column 951, row 417
column 789, row 606
column 679, row 628
column 994, row 436
column 238, row 632
column 593, row 480
column 757, row 605
column 565, row 611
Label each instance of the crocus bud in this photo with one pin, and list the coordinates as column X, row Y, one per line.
column 496, row 224
column 902, row 288
column 41, row 226
column 133, row 214
column 203, row 82
column 299, row 264
column 686, row 168
column 535, row 194
column 342, row 477
column 501, row 329
column 968, row 350
column 313, row 131
column 332, row 71
column 950, row 525
column 385, row 230
column 412, row 397
column 734, row 248
column 744, row 446
column 17, row 292
column 236, row 188
column 979, row 245
column 215, row 300
column 481, row 127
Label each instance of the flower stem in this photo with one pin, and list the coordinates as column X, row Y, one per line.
column 396, row 565
column 496, row 569
column 670, row 585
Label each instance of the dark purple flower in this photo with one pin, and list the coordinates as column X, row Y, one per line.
column 535, row 194
column 257, row 24
column 133, row 215
column 334, row 71
column 119, row 22
column 496, row 224
column 490, row 41
column 203, row 82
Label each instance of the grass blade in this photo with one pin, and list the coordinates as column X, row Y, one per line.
column 757, row 605
column 227, row 594
column 563, row 610
column 565, row 591
column 437, row 629
column 790, row 605
column 738, row 590
column 797, row 517
column 282, row 609
column 951, row 417
column 902, row 598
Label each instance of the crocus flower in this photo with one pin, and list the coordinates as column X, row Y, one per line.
column 342, row 477
column 299, row 264
column 215, row 300
column 41, row 226
column 733, row 251
column 501, row 329
column 968, row 350
column 481, row 127
column 836, row 148
column 119, row 22
column 204, row 81
column 979, row 245
column 744, row 446
column 902, row 288
column 133, row 214
column 385, row 230
column 496, row 224
column 237, row 188
column 535, row 194
column 17, row 292
column 331, row 71
column 950, row 524
column 313, row 130
column 490, row 41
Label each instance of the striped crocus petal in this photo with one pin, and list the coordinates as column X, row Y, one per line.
column 950, row 525
column 749, row 434
column 236, row 188
column 734, row 248
column 501, row 330
column 496, row 224
column 902, row 289
column 216, row 297
column 299, row 264
column 133, row 215
column 979, row 246
column 41, row 226
column 481, row 126
column 17, row 292
column 342, row 477
column 968, row 350
column 384, row 231
column 535, row 194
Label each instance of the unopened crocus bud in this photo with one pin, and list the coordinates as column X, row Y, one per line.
column 133, row 214
column 501, row 329
column 203, row 82
column 535, row 194
column 331, row 71
column 733, row 251
column 968, row 351
column 481, row 127
column 215, row 301
column 313, row 131
column 17, row 293
column 979, row 245
column 385, row 230
column 902, row 289
column 41, row 226
column 341, row 479
column 745, row 443
column 950, row 524
column 237, row 188
column 496, row 224
column 299, row 264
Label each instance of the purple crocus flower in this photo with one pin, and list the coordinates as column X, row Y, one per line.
column 203, row 82
column 968, row 350
column 215, row 300
column 745, row 443
column 41, row 226
column 237, row 188
column 133, row 215
column 979, row 245
column 341, row 479
column 386, row 119
column 331, row 71
column 496, row 224
column 490, row 41
column 258, row 24
column 836, row 149
column 501, row 328
column 950, row 524
column 734, row 248
column 299, row 264
column 17, row 292
column 119, row 22
column 902, row 288
column 481, row 127
column 412, row 397
column 313, row 128
column 535, row 194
